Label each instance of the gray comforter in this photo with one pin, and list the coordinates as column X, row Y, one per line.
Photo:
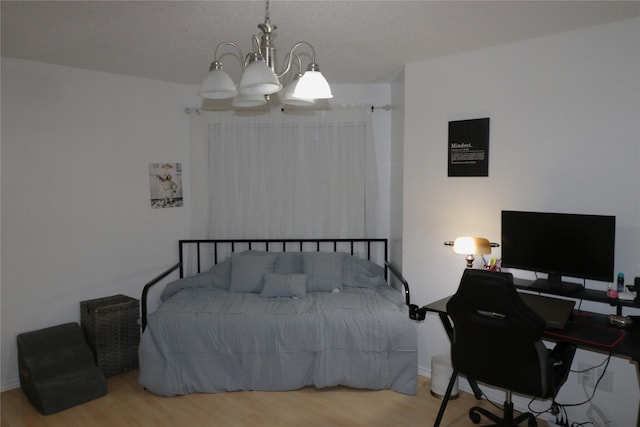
column 209, row 339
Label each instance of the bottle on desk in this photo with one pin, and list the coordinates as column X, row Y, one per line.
column 620, row 282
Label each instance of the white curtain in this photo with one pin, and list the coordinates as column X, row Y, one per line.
column 283, row 175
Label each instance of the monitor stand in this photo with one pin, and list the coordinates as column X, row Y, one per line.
column 554, row 285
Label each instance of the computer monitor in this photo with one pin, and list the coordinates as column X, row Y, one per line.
column 559, row 244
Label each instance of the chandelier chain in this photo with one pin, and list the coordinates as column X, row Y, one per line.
column 266, row 11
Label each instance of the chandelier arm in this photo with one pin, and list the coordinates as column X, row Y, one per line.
column 313, row 51
column 255, row 41
column 235, row 45
column 290, row 55
column 299, row 64
column 288, row 60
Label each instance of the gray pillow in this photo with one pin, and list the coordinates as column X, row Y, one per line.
column 221, row 274
column 289, row 262
column 248, row 270
column 284, row 285
column 324, row 270
column 362, row 273
column 286, row 263
column 217, row 277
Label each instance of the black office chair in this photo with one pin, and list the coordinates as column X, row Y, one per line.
column 497, row 341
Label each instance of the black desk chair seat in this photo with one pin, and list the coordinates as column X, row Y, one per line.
column 498, row 341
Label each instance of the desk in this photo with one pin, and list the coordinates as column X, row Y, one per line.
column 584, row 294
column 581, row 326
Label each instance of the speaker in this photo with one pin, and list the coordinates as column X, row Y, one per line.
column 58, row 369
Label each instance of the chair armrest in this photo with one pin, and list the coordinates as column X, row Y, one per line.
column 559, row 362
column 562, row 353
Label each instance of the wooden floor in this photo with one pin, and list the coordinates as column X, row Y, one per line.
column 127, row 404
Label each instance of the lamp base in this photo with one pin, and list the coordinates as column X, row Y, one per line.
column 470, row 260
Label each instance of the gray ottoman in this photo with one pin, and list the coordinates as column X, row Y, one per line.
column 58, row 369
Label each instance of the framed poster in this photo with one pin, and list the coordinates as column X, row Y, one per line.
column 165, row 180
column 468, row 147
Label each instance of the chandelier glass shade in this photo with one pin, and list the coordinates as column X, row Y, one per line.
column 287, row 95
column 313, row 85
column 260, row 79
column 217, row 84
column 248, row 101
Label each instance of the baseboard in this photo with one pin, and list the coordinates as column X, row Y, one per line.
column 424, row 372
column 10, row 385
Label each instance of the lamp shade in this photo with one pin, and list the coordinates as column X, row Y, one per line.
column 313, row 85
column 472, row 246
column 287, row 97
column 247, row 101
column 259, row 79
column 217, row 85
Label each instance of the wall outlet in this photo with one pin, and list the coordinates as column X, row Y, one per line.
column 588, row 375
column 606, row 383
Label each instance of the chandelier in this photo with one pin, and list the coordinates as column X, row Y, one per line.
column 260, row 79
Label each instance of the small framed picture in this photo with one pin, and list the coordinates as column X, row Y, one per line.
column 468, row 147
column 165, row 181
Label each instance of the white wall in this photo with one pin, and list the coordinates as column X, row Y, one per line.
column 76, row 218
column 564, row 137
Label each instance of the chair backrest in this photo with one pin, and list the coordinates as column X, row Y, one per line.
column 497, row 338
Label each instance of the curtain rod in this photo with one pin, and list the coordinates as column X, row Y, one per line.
column 371, row 108
column 385, row 107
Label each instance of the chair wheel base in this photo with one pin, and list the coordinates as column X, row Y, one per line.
column 506, row 420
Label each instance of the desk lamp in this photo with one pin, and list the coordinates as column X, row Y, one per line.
column 471, row 246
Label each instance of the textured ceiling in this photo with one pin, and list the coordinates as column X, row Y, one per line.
column 355, row 41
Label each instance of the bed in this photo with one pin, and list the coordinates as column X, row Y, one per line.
column 279, row 315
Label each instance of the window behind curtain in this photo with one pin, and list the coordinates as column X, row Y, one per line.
column 279, row 180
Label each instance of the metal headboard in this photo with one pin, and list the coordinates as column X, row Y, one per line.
column 209, row 252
